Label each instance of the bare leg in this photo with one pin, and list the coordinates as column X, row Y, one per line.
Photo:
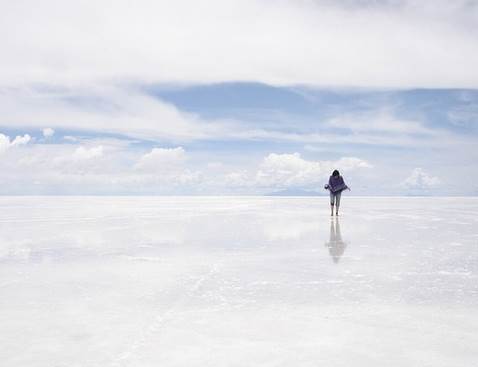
column 332, row 199
column 337, row 203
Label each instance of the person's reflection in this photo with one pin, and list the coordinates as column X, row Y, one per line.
column 336, row 245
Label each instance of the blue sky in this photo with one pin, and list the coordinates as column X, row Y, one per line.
column 246, row 97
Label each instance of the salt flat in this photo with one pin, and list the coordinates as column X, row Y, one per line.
column 238, row 281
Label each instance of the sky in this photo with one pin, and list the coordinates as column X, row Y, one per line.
column 238, row 97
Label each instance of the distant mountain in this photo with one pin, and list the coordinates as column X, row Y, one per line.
column 297, row 192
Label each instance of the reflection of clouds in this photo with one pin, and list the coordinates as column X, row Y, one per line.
column 287, row 228
column 39, row 230
column 65, row 232
column 70, row 229
column 66, row 229
column 103, row 236
column 336, row 245
column 13, row 252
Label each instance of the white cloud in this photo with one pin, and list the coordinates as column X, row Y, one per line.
column 466, row 113
column 6, row 144
column 421, row 180
column 239, row 179
column 162, row 159
column 113, row 167
column 108, row 166
column 89, row 168
column 351, row 163
column 21, row 140
column 288, row 170
column 291, row 170
column 82, row 153
column 48, row 132
column 166, row 169
column 67, row 160
column 381, row 120
column 103, row 108
column 413, row 43
column 128, row 111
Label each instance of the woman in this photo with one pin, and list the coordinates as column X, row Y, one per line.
column 336, row 185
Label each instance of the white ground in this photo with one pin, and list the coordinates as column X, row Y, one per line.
column 208, row 282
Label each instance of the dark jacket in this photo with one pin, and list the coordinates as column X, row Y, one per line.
column 336, row 184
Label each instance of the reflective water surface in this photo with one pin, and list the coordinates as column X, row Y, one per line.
column 222, row 281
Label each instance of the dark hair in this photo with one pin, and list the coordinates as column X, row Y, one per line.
column 335, row 173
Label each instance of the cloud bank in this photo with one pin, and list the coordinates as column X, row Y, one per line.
column 409, row 43
column 85, row 167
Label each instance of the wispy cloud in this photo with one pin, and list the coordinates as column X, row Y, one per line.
column 103, row 109
column 129, row 111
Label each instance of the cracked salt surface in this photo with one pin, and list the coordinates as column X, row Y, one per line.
column 224, row 281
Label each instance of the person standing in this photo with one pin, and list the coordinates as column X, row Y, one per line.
column 336, row 185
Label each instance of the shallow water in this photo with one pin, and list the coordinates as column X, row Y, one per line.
column 238, row 281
